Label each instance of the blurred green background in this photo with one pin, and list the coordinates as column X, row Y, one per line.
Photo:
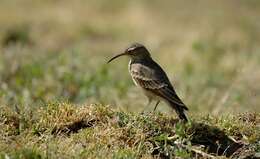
column 55, row 50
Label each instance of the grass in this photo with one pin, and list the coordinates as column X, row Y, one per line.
column 62, row 130
column 56, row 52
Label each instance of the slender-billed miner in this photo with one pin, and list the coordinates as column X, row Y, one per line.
column 152, row 79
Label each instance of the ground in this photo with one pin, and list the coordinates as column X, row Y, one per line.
column 62, row 130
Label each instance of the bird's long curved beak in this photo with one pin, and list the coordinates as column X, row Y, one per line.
column 125, row 53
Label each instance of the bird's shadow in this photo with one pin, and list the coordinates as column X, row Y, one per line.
column 213, row 139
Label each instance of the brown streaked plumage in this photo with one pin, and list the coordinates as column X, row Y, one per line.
column 148, row 75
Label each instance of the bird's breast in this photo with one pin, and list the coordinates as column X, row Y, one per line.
column 130, row 69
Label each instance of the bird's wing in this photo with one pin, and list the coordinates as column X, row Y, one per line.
column 156, row 81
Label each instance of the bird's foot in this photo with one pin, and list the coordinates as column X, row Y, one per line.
column 147, row 113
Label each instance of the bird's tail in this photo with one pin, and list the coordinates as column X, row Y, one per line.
column 180, row 110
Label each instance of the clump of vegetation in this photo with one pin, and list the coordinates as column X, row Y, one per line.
column 18, row 34
column 62, row 130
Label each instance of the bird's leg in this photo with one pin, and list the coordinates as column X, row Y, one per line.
column 148, row 103
column 157, row 103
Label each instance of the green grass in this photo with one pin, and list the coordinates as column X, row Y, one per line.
column 62, row 130
column 56, row 52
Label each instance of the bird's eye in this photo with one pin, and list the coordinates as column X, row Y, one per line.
column 130, row 50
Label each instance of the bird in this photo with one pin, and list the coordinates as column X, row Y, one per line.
column 151, row 78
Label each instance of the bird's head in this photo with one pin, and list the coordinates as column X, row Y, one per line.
column 134, row 51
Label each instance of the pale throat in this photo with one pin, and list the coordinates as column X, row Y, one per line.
column 129, row 66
